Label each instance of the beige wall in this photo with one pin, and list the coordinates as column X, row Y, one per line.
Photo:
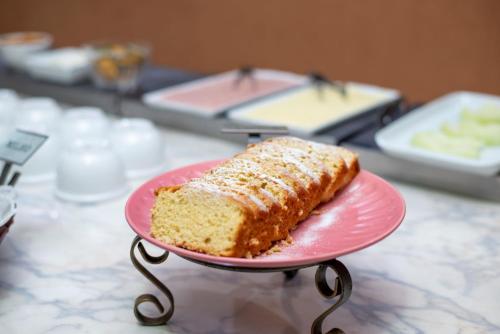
column 425, row 48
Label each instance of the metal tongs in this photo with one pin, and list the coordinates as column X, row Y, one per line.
column 5, row 173
column 245, row 73
column 320, row 82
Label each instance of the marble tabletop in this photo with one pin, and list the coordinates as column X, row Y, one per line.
column 65, row 268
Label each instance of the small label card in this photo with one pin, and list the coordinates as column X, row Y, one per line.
column 20, row 146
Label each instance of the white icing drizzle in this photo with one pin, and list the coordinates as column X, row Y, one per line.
column 318, row 147
column 283, row 185
column 301, row 153
column 225, row 178
column 197, row 183
column 272, row 157
column 268, row 194
column 221, row 174
column 272, row 178
column 220, row 188
column 257, row 201
column 335, row 150
column 303, row 168
column 293, row 156
column 255, row 167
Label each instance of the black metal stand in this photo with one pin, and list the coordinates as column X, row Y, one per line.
column 149, row 298
column 341, row 289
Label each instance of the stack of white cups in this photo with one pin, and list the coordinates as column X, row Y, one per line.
column 89, row 157
column 97, row 156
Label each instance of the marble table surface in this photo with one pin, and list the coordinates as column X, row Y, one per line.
column 65, row 268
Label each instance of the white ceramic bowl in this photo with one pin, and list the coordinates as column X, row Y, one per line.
column 41, row 167
column 39, row 110
column 139, row 145
column 89, row 171
column 83, row 122
column 15, row 55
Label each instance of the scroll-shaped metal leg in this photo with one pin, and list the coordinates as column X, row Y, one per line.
column 149, row 298
column 342, row 289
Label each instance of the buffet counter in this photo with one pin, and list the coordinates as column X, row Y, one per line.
column 66, row 267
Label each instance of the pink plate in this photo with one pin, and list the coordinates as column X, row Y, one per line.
column 367, row 211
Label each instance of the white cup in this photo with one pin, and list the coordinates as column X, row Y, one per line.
column 89, row 171
column 83, row 122
column 139, row 145
column 40, row 110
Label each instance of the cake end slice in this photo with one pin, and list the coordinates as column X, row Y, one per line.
column 197, row 220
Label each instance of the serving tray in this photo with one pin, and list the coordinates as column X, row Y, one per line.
column 214, row 95
column 395, row 138
column 386, row 98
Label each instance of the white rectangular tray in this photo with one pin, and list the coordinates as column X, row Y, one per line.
column 395, row 138
column 390, row 96
column 156, row 98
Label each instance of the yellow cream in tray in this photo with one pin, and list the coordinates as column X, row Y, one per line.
column 309, row 109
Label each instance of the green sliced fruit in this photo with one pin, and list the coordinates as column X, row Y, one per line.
column 488, row 113
column 437, row 141
column 453, row 130
column 488, row 134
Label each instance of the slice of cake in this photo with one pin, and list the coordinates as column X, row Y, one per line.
column 245, row 204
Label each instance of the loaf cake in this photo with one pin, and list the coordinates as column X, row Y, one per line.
column 247, row 203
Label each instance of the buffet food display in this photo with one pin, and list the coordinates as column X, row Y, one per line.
column 458, row 131
column 117, row 65
column 312, row 108
column 216, row 94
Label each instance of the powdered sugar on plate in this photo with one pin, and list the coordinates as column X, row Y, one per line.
column 314, row 230
column 323, row 220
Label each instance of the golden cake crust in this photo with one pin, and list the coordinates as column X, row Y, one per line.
column 245, row 204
